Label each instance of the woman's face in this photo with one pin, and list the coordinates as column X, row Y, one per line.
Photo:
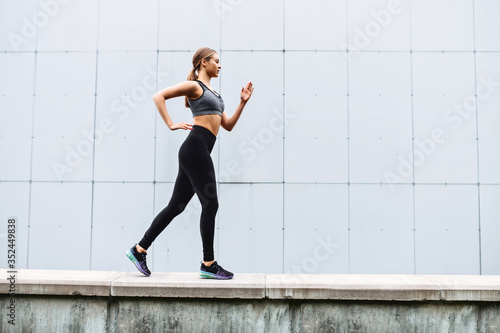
column 213, row 66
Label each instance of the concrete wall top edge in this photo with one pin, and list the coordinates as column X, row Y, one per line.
column 384, row 287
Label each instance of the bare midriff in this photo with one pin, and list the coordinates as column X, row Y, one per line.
column 209, row 121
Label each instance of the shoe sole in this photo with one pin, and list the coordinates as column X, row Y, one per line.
column 136, row 263
column 208, row 275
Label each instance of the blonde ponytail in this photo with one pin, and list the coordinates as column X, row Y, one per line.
column 192, row 76
column 202, row 53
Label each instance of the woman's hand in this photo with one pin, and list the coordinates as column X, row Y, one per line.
column 246, row 92
column 177, row 126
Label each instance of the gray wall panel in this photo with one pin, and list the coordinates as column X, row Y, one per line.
column 315, row 125
column 255, row 146
column 186, row 25
column 379, row 24
column 239, row 28
column 444, row 118
column 128, row 25
column 63, row 113
column 250, row 227
column 456, row 32
column 490, row 229
column 60, row 226
column 485, row 23
column 446, row 229
column 326, row 31
column 75, row 29
column 16, row 114
column 14, row 35
column 124, row 118
column 488, row 101
column 381, row 229
column 121, row 214
column 316, row 229
column 379, row 114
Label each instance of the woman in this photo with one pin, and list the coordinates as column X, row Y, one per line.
column 196, row 170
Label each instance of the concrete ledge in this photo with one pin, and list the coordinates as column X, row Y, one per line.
column 189, row 285
column 258, row 286
column 352, row 287
column 468, row 287
column 59, row 282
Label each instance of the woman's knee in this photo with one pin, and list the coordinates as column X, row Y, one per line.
column 210, row 204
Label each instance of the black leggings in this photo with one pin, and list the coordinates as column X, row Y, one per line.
column 196, row 175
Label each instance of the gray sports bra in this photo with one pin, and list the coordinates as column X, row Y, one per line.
column 207, row 103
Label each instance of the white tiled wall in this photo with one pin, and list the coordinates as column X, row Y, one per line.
column 370, row 144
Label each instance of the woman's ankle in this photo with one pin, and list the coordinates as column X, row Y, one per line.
column 208, row 263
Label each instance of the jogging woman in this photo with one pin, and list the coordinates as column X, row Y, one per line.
column 196, row 171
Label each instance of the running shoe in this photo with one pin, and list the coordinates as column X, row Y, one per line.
column 215, row 271
column 139, row 260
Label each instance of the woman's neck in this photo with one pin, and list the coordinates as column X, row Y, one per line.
column 205, row 79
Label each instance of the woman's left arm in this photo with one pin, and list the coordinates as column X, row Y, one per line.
column 228, row 123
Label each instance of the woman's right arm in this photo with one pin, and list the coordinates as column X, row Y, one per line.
column 187, row 88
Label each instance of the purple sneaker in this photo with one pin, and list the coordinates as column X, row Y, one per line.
column 139, row 260
column 215, row 271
